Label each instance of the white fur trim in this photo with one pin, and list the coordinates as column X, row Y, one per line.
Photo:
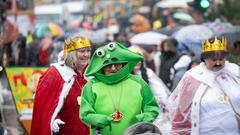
column 202, row 74
column 65, row 71
column 66, row 88
column 206, row 76
column 67, row 75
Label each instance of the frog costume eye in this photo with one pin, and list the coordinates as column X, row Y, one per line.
column 100, row 52
column 111, row 46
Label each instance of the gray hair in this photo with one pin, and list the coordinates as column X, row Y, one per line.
column 142, row 128
column 70, row 59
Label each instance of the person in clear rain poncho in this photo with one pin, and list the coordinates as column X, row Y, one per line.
column 206, row 100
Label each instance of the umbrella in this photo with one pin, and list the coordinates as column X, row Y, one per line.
column 96, row 37
column 55, row 29
column 218, row 26
column 168, row 30
column 183, row 16
column 172, row 4
column 192, row 36
column 232, row 34
column 229, row 31
column 41, row 30
column 148, row 38
column 52, row 28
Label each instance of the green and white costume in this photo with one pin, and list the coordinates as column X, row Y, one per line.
column 121, row 90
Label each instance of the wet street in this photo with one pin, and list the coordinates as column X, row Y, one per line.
column 8, row 110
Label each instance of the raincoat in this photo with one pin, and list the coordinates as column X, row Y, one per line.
column 200, row 104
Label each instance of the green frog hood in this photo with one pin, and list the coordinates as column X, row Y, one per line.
column 112, row 53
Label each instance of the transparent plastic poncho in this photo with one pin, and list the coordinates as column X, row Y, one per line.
column 180, row 103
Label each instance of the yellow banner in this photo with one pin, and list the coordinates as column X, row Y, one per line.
column 23, row 82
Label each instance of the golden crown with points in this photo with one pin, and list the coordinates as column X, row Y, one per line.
column 216, row 45
column 74, row 45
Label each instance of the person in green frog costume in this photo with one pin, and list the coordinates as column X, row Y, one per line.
column 114, row 99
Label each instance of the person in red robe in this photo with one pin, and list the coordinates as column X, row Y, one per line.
column 56, row 108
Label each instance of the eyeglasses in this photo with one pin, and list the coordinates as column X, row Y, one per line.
column 115, row 65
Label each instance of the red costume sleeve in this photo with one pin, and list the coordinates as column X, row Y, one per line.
column 45, row 101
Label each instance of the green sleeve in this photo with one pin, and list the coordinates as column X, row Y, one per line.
column 150, row 108
column 87, row 112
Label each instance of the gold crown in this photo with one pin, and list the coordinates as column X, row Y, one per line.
column 216, row 45
column 74, row 45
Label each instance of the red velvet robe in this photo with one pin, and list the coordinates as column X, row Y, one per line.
column 47, row 102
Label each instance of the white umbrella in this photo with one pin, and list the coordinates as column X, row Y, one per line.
column 148, row 38
column 172, row 4
column 183, row 16
column 97, row 37
column 229, row 31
